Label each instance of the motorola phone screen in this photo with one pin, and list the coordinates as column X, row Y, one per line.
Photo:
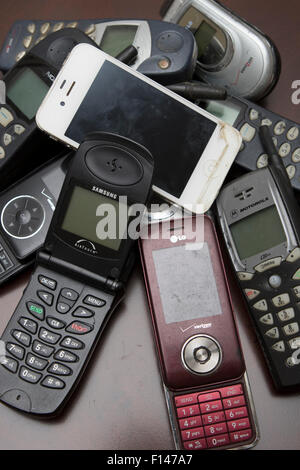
column 121, row 103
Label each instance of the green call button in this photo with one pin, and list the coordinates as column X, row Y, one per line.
column 36, row 310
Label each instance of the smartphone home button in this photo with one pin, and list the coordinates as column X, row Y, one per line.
column 201, row 354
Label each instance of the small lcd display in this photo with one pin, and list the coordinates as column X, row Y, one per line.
column 186, row 283
column 87, row 217
column 227, row 112
column 27, row 90
column 258, row 232
column 116, row 38
column 203, row 37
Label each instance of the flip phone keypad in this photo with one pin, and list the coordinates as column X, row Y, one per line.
column 214, row 419
column 45, row 346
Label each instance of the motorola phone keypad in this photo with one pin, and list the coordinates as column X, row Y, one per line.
column 277, row 309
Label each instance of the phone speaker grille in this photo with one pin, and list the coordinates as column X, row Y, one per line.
column 244, row 194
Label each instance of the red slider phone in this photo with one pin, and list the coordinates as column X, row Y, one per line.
column 202, row 366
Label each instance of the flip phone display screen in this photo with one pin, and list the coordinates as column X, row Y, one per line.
column 83, row 217
column 183, row 290
column 176, row 135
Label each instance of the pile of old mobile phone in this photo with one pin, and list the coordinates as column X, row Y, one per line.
column 22, row 146
column 259, row 218
column 231, row 52
column 202, row 367
column 79, row 275
column 166, row 52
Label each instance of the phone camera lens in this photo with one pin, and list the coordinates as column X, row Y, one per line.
column 62, row 103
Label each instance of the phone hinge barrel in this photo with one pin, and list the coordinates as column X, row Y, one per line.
column 106, row 283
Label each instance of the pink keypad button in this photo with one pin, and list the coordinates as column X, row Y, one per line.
column 213, row 418
column 190, row 422
column 239, row 424
column 195, row 433
column 218, row 441
column 231, row 391
column 184, row 400
column 211, row 406
column 241, row 435
column 215, row 429
column 234, row 402
column 208, row 396
column 187, row 411
column 195, row 445
column 236, row 413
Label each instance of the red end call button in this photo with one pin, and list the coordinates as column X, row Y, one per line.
column 79, row 328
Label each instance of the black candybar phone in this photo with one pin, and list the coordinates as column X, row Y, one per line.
column 26, row 210
column 247, row 117
column 259, row 218
column 79, row 275
column 26, row 85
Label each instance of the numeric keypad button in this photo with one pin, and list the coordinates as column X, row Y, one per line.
column 21, row 337
column 267, row 319
column 261, row 305
column 287, row 314
column 281, row 300
column 59, row 369
column 15, row 350
column 291, row 329
column 48, row 336
column 279, row 346
column 52, row 382
column 65, row 356
column 9, row 363
column 29, row 325
column 72, row 343
column 42, row 349
column 273, row 333
column 36, row 362
column 29, row 375
column 279, row 128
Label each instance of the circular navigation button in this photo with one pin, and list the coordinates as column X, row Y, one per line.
column 201, row 354
column 22, row 216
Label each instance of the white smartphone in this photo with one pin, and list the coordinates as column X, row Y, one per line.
column 192, row 149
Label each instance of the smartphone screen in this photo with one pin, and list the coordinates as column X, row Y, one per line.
column 121, row 103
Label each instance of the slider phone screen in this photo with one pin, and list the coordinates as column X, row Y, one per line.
column 268, row 231
column 121, row 103
column 184, row 289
